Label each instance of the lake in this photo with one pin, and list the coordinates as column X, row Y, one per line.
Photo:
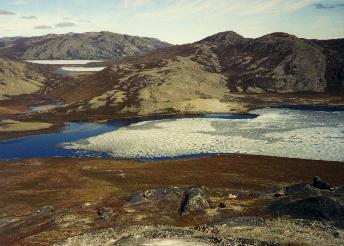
column 312, row 133
column 63, row 62
column 68, row 69
column 48, row 145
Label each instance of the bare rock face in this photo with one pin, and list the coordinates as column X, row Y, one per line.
column 186, row 199
column 90, row 45
column 334, row 51
column 194, row 200
column 318, row 207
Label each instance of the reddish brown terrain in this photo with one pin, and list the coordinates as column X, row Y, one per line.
column 73, row 193
column 219, row 200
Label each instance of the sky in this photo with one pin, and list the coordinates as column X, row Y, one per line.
column 174, row 21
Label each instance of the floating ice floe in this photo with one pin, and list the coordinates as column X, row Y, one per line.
column 304, row 134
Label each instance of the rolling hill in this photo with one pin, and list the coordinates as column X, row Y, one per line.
column 90, row 45
column 17, row 78
column 209, row 76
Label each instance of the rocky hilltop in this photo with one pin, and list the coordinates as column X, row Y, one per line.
column 211, row 75
column 90, row 45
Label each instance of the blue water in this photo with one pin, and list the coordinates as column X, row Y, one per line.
column 47, row 145
column 59, row 72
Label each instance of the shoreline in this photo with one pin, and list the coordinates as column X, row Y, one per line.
column 58, row 122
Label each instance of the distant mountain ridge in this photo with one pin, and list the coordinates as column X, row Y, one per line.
column 8, row 41
column 208, row 75
column 90, row 45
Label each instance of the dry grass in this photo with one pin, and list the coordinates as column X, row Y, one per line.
column 289, row 232
column 17, row 126
column 17, row 79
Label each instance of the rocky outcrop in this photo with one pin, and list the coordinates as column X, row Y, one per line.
column 194, row 200
column 317, row 207
column 318, row 183
column 90, row 45
column 316, row 201
column 165, row 194
column 302, row 190
column 334, row 75
column 187, row 199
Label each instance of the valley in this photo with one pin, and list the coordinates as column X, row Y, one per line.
column 111, row 139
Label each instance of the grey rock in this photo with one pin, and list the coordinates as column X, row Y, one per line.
column 338, row 191
column 194, row 200
column 189, row 199
column 168, row 194
column 318, row 183
column 105, row 213
column 318, row 207
column 302, row 190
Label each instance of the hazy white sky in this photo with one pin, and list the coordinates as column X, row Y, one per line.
column 174, row 21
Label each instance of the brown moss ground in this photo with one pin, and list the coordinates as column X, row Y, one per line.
column 29, row 184
column 69, row 184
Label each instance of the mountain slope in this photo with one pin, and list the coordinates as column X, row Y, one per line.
column 8, row 41
column 91, row 45
column 17, row 78
column 277, row 62
column 207, row 76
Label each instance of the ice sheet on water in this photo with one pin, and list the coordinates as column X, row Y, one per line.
column 63, row 62
column 291, row 133
column 82, row 69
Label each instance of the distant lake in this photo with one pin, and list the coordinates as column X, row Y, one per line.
column 63, row 62
column 82, row 69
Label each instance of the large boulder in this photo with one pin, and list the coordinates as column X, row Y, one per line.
column 318, row 183
column 194, row 200
column 302, row 190
column 163, row 194
column 318, row 207
column 186, row 199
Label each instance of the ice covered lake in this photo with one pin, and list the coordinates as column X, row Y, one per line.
column 75, row 65
column 306, row 133
column 63, row 62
